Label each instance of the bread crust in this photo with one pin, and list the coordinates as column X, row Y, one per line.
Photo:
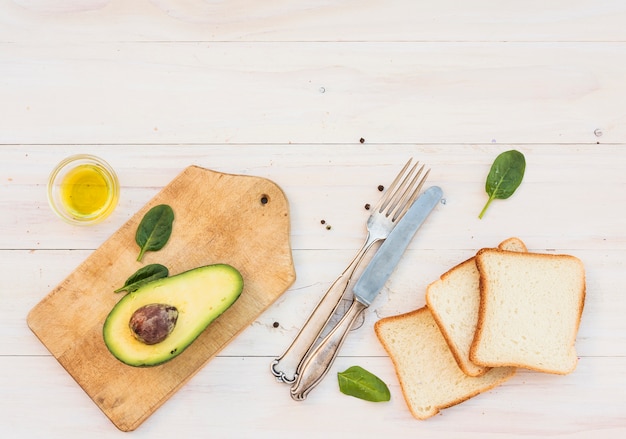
column 476, row 371
column 461, row 354
column 468, row 388
column 486, row 297
column 426, row 360
column 513, row 244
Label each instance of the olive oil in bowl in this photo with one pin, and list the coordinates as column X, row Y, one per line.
column 83, row 189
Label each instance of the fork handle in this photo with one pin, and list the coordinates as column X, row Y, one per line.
column 317, row 364
column 285, row 367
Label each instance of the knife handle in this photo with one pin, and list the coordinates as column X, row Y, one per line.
column 285, row 367
column 317, row 364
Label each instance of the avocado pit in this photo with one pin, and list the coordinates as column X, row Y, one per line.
column 151, row 324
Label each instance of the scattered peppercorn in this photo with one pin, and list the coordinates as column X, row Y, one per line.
column 276, row 325
column 367, row 206
column 323, row 221
column 362, row 140
column 328, row 227
column 381, row 187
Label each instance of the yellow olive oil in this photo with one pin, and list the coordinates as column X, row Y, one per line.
column 86, row 191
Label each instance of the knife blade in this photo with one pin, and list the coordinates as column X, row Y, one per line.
column 318, row 362
column 388, row 255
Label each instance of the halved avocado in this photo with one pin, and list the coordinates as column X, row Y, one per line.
column 199, row 295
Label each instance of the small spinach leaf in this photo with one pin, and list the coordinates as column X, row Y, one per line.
column 358, row 382
column 506, row 174
column 143, row 276
column 155, row 229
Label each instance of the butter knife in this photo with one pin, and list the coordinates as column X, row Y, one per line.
column 316, row 365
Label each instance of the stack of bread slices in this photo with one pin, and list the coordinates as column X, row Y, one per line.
column 503, row 309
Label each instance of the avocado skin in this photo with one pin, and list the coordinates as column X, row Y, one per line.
column 200, row 295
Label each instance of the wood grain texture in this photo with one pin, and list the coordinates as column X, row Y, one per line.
column 311, row 93
column 310, row 20
column 333, row 182
column 285, row 91
column 238, row 220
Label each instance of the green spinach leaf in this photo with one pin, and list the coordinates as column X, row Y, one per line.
column 143, row 276
column 155, row 229
column 506, row 174
column 358, row 382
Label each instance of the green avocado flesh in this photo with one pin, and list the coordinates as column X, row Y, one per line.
column 200, row 296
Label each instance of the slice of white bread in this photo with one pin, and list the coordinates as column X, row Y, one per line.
column 530, row 310
column 513, row 244
column 429, row 375
column 454, row 300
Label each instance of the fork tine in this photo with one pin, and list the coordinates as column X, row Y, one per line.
column 384, row 201
column 412, row 196
column 403, row 191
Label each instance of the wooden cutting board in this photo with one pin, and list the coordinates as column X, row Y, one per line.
column 219, row 218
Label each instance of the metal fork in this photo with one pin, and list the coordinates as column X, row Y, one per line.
column 392, row 206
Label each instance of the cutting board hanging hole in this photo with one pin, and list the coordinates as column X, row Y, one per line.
column 265, row 199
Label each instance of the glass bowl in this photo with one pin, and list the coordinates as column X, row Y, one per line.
column 83, row 189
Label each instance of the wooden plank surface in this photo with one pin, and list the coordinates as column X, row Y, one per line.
column 306, row 20
column 219, row 218
column 312, row 93
column 286, row 91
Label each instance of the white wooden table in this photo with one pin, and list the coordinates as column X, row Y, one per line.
column 287, row 90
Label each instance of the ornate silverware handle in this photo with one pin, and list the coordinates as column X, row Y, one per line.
column 403, row 191
column 285, row 367
column 317, row 364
